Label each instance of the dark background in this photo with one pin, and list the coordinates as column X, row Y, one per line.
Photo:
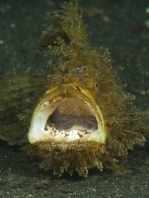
column 118, row 25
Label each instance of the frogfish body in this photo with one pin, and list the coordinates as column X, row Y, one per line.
column 84, row 119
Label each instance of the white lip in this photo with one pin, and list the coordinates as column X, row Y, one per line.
column 40, row 131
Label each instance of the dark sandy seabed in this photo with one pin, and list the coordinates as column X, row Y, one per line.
column 118, row 25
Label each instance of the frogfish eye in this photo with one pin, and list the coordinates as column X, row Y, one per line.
column 96, row 85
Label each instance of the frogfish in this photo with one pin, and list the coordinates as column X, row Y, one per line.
column 77, row 117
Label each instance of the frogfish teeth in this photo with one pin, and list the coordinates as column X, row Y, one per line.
column 84, row 119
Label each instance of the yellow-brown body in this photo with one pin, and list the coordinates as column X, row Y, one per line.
column 83, row 74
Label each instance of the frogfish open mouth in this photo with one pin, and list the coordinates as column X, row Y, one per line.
column 84, row 119
column 67, row 113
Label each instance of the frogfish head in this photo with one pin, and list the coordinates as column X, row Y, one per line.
column 67, row 124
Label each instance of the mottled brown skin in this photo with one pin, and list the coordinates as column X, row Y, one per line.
column 73, row 59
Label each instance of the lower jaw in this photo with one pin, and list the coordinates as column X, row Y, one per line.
column 78, row 156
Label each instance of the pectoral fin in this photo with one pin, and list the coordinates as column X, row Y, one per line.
column 17, row 99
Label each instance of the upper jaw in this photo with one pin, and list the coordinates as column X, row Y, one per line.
column 62, row 107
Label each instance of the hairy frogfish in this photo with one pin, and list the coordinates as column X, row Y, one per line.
column 79, row 116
